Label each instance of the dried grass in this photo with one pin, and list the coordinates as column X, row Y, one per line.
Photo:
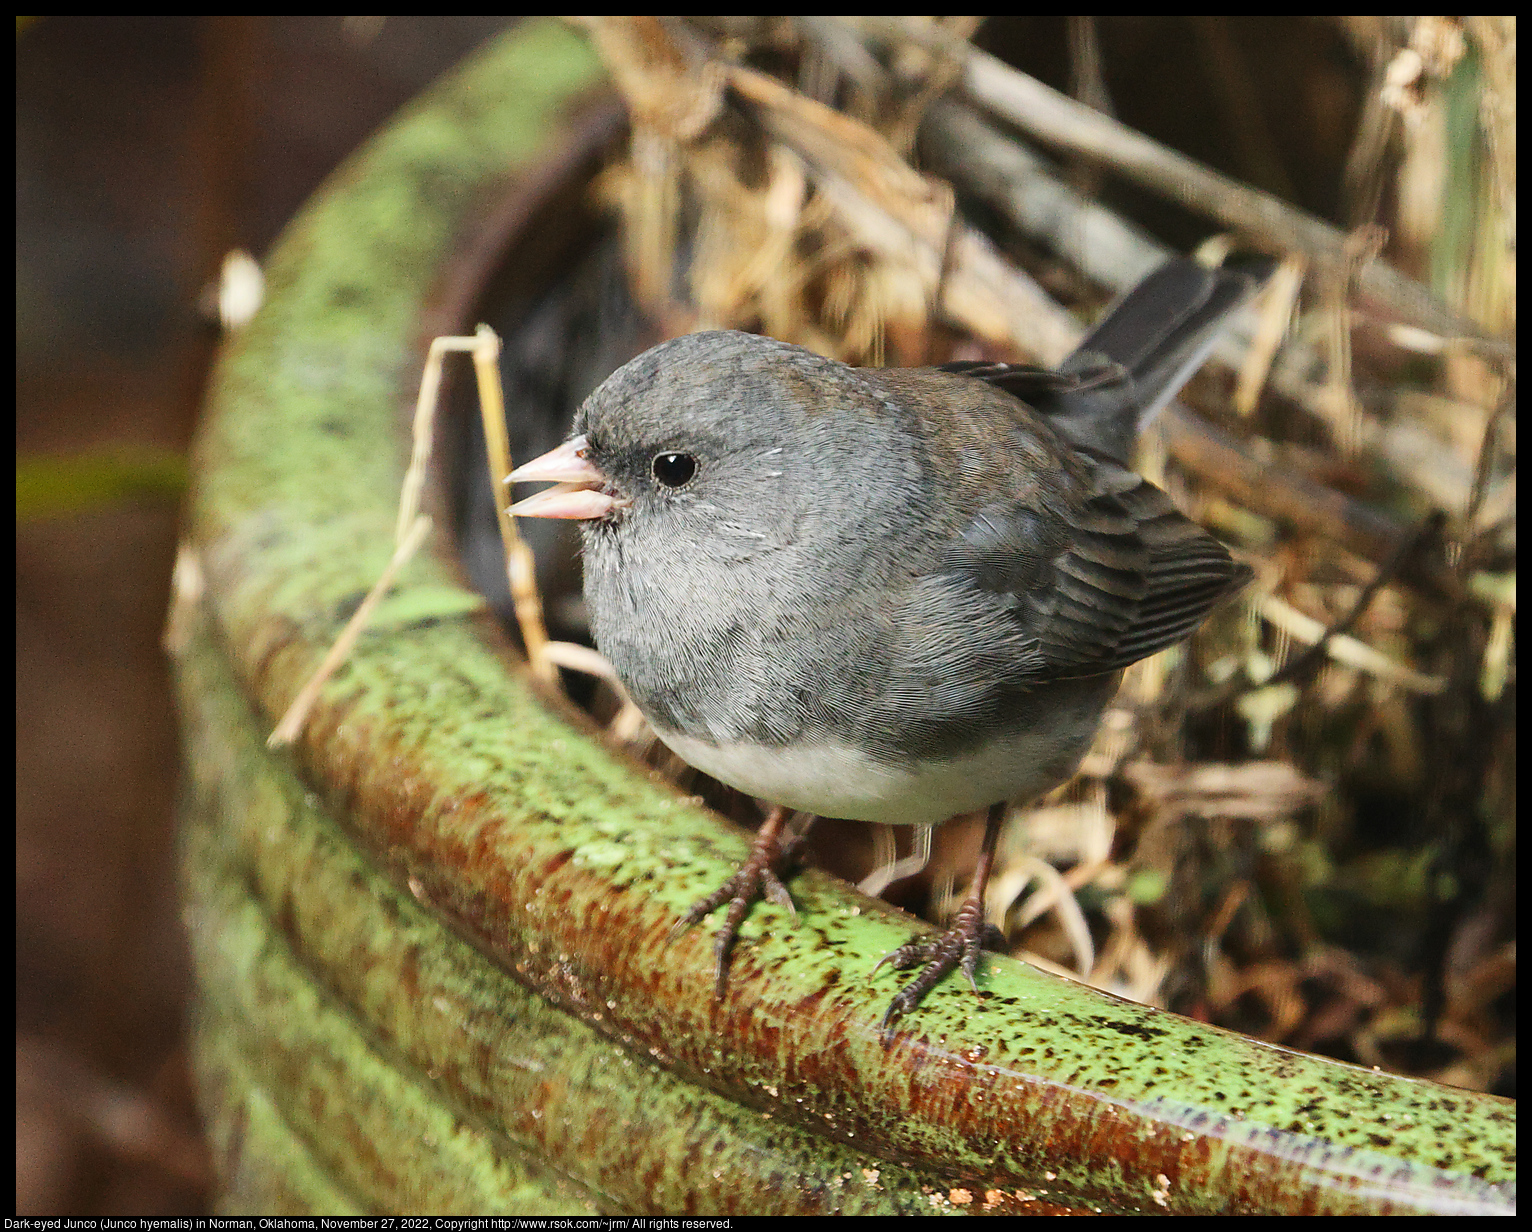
column 1316, row 848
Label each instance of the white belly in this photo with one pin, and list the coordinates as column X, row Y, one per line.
column 836, row 780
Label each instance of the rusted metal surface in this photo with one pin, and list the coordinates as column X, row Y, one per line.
column 351, row 1037
column 508, row 825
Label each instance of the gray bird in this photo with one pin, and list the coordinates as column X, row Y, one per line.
column 898, row 595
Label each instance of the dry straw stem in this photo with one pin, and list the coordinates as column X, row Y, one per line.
column 908, row 221
column 1067, row 125
column 291, row 723
column 412, row 527
column 1117, row 254
column 1445, row 83
column 1104, row 247
column 885, row 239
column 1495, row 38
column 1344, row 648
column 893, row 100
column 673, row 94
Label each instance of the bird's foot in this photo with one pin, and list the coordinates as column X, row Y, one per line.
column 756, row 879
column 960, row 944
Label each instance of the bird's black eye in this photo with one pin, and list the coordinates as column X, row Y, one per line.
column 674, row 470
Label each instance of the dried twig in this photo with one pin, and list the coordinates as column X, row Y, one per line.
column 1060, row 121
column 412, row 527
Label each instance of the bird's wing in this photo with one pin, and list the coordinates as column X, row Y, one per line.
column 1099, row 583
column 1029, row 381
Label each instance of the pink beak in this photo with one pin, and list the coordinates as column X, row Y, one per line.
column 580, row 492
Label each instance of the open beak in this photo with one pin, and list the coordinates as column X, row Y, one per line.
column 580, row 493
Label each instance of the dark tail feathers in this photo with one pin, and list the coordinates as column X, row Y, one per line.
column 1158, row 333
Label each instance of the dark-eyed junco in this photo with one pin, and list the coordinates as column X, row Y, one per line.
column 899, row 595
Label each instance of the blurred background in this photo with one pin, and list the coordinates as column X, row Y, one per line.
column 147, row 149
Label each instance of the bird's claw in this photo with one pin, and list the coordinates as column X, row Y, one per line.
column 959, row 945
column 756, row 878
